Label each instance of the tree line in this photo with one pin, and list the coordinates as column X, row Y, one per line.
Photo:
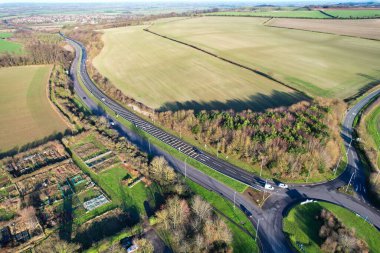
column 38, row 50
column 289, row 143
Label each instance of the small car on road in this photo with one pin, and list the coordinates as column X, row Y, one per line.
column 284, row 186
column 269, row 187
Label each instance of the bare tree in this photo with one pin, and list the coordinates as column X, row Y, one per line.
column 202, row 211
column 145, row 246
column 161, row 171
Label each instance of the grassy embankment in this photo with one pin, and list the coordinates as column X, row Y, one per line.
column 372, row 124
column 26, row 112
column 300, row 225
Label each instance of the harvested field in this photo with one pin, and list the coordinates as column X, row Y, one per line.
column 26, row 113
column 363, row 28
column 319, row 64
column 167, row 75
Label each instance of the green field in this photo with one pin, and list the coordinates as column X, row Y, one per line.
column 300, row 225
column 372, row 123
column 354, row 13
column 275, row 14
column 7, row 46
column 164, row 74
column 26, row 113
column 320, row 64
column 5, row 35
column 130, row 197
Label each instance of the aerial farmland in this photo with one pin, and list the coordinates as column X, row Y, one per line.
column 27, row 114
column 166, row 75
column 311, row 62
column 189, row 126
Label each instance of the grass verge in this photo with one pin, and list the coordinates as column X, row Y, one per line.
column 241, row 241
column 302, row 228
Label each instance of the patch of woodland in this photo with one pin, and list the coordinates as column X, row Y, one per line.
column 289, row 142
column 40, row 48
column 191, row 225
column 338, row 238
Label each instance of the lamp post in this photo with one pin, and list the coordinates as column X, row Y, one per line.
column 234, row 199
column 186, row 167
column 308, row 173
column 349, row 182
column 336, row 168
column 257, row 230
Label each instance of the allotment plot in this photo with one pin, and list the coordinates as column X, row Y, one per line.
column 26, row 113
column 319, row 64
column 167, row 75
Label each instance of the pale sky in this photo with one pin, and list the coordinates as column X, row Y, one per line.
column 183, row 1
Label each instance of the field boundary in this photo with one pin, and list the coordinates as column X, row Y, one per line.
column 249, row 16
column 306, row 30
column 55, row 108
column 329, row 15
column 258, row 72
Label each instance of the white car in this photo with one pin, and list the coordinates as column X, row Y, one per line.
column 103, row 99
column 269, row 187
column 112, row 123
column 284, row 186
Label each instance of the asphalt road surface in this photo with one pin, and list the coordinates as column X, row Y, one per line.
column 270, row 216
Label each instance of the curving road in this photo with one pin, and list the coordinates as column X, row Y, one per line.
column 272, row 239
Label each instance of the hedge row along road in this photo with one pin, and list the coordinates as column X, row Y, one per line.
column 270, row 216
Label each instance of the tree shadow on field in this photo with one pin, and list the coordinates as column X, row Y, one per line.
column 66, row 219
column 372, row 82
column 258, row 103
